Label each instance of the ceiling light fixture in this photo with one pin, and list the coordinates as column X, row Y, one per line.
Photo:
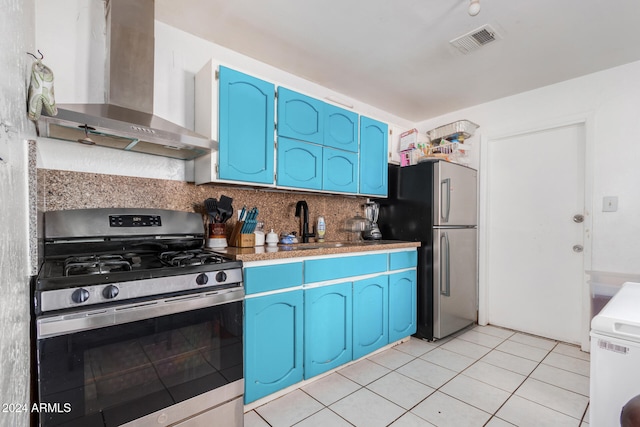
column 474, row 7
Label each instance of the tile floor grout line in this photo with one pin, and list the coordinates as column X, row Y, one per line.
column 445, row 383
column 538, row 403
column 520, row 385
column 261, row 417
column 584, row 414
column 327, row 407
column 511, row 394
column 516, row 389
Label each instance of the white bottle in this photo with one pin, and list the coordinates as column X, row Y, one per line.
column 271, row 238
column 321, row 228
column 259, row 233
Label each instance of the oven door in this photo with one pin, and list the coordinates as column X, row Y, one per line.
column 164, row 360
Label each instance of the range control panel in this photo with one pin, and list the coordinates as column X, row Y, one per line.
column 135, row 221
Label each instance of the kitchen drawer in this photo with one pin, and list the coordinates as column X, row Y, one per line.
column 272, row 277
column 318, row 270
column 399, row 260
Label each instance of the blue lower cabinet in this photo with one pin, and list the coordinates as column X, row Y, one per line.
column 370, row 315
column 339, row 170
column 299, row 164
column 402, row 305
column 273, row 343
column 328, row 334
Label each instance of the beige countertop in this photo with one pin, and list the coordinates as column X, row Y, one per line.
column 262, row 253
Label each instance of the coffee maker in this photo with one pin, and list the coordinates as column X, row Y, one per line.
column 372, row 232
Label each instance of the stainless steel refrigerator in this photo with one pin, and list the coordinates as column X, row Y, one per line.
column 435, row 203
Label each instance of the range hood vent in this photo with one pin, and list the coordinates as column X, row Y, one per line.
column 475, row 39
column 126, row 120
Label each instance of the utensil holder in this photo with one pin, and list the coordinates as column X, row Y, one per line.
column 217, row 237
column 240, row 240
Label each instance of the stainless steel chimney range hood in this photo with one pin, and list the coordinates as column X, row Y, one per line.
column 126, row 120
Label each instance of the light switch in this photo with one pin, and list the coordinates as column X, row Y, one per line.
column 610, row 204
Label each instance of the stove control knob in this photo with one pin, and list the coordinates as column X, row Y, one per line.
column 80, row 295
column 202, row 279
column 110, row 292
column 221, row 276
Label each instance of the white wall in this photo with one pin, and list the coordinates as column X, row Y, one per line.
column 611, row 99
column 71, row 33
column 16, row 19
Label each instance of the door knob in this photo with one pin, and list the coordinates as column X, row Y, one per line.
column 578, row 218
column 577, row 248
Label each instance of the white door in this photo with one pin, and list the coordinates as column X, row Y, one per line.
column 534, row 235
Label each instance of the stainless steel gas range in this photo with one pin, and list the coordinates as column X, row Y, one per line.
column 135, row 323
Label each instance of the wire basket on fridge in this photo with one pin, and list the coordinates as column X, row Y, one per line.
column 463, row 128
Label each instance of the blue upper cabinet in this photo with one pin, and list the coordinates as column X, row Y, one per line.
column 299, row 164
column 373, row 157
column 340, row 128
column 339, row 170
column 299, row 116
column 246, row 128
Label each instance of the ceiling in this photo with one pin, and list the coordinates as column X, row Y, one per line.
column 396, row 55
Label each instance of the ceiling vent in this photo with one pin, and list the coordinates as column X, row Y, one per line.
column 475, row 39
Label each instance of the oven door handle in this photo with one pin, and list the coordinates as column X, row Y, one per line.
column 55, row 325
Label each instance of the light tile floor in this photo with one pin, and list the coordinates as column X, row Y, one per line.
column 482, row 376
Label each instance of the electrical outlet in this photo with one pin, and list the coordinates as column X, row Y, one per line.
column 610, row 204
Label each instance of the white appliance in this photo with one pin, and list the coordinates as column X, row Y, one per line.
column 615, row 356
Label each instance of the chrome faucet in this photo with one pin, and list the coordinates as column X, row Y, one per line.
column 302, row 208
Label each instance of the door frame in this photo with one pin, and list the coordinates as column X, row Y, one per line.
column 484, row 179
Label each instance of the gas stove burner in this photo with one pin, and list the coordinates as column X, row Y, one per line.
column 191, row 257
column 95, row 264
column 133, row 258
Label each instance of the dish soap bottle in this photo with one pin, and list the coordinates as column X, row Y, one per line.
column 321, row 228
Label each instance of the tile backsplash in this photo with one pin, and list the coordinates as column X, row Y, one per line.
column 59, row 190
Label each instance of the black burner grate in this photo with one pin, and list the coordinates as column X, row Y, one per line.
column 190, row 257
column 95, row 264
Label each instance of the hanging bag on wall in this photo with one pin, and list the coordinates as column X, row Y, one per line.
column 41, row 90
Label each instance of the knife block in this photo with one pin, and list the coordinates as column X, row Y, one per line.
column 240, row 240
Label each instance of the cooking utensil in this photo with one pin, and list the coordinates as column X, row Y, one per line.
column 225, row 208
column 211, row 205
column 250, row 221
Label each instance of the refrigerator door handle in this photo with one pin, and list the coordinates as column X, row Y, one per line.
column 445, row 205
column 445, row 276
